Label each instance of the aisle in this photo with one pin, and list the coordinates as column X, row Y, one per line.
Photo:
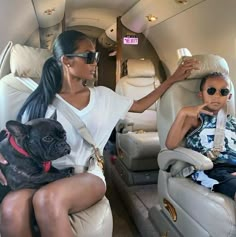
column 122, row 223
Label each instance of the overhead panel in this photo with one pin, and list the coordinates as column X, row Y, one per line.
column 49, row 13
column 98, row 13
column 138, row 18
column 96, row 17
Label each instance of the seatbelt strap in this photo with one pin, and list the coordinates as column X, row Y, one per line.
column 74, row 120
column 83, row 130
column 219, row 137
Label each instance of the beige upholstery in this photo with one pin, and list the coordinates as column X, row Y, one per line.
column 23, row 66
column 137, row 137
column 198, row 210
column 94, row 221
column 4, row 60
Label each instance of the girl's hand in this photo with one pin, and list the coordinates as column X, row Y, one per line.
column 3, row 180
column 184, row 69
column 194, row 111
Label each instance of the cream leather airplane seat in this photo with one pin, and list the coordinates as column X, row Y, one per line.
column 137, row 138
column 26, row 64
column 187, row 208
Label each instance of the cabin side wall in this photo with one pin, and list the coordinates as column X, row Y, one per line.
column 207, row 28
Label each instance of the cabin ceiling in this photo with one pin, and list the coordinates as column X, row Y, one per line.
column 43, row 20
column 87, row 14
column 101, row 14
column 95, row 16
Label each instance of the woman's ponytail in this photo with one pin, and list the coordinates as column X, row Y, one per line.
column 51, row 82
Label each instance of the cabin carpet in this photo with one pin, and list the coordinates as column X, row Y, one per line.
column 123, row 226
column 122, row 223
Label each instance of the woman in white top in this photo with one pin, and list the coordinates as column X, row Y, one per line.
column 74, row 59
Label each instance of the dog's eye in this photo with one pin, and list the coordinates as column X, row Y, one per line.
column 47, row 139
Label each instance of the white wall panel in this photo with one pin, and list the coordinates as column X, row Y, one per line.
column 209, row 27
column 18, row 21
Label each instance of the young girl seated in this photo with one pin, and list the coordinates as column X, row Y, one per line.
column 209, row 130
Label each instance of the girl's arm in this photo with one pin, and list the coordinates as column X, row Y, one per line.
column 182, row 72
column 187, row 118
column 178, row 130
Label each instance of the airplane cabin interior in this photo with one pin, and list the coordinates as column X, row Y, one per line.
column 141, row 43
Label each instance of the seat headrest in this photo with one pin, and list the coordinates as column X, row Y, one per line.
column 27, row 61
column 209, row 63
column 140, row 68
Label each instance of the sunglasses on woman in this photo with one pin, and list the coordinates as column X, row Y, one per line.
column 223, row 91
column 91, row 57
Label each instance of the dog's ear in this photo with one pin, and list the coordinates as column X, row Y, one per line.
column 54, row 115
column 17, row 129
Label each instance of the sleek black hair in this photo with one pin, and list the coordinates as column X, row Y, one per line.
column 211, row 75
column 51, row 80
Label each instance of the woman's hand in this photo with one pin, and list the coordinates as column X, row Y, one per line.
column 3, row 180
column 184, row 69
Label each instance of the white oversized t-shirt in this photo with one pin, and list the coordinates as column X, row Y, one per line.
column 100, row 116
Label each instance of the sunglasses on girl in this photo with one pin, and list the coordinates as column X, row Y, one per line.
column 91, row 57
column 223, row 91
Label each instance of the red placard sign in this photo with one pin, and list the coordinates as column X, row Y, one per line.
column 130, row 40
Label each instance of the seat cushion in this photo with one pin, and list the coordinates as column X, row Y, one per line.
column 143, row 121
column 4, row 59
column 209, row 207
column 31, row 56
column 96, row 221
column 12, row 95
column 139, row 151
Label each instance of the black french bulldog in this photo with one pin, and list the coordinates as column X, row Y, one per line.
column 29, row 149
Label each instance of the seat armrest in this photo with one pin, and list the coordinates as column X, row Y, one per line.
column 124, row 126
column 167, row 158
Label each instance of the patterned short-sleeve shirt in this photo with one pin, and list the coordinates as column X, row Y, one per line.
column 202, row 138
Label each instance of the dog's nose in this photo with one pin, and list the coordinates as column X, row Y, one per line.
column 64, row 147
column 67, row 151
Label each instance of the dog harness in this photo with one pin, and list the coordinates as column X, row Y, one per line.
column 11, row 139
column 96, row 156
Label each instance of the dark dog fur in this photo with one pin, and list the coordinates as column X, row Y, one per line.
column 43, row 140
